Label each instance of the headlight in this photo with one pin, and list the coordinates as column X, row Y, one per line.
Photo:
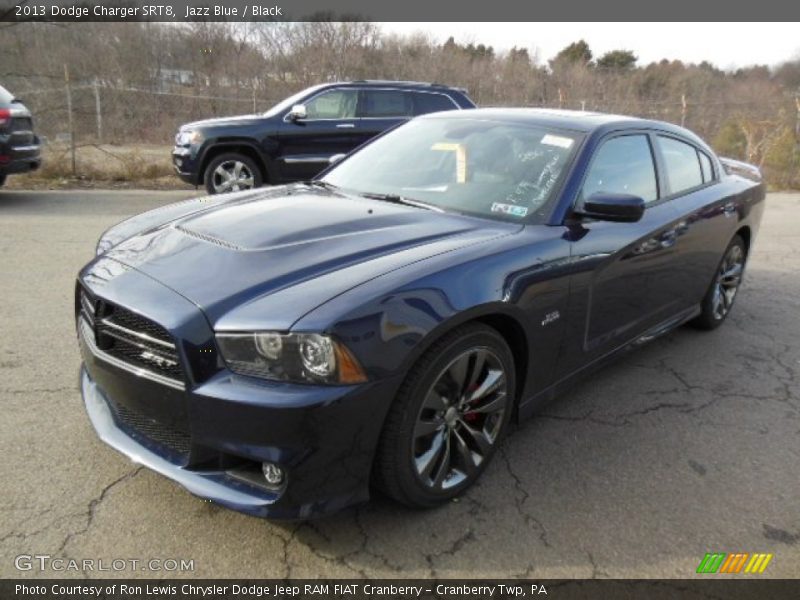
column 186, row 137
column 298, row 357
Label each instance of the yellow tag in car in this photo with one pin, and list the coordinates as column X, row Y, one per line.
column 461, row 158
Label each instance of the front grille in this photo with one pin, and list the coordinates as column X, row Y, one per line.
column 164, row 435
column 150, row 358
column 87, row 306
column 134, row 322
column 131, row 338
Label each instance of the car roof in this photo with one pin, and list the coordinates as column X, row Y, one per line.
column 393, row 83
column 574, row 120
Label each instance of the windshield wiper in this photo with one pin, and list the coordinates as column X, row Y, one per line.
column 322, row 184
column 397, row 199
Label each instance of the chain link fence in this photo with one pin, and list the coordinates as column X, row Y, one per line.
column 72, row 116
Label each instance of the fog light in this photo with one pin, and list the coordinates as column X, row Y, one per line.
column 272, row 473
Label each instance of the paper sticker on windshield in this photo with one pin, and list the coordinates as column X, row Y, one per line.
column 461, row 158
column 510, row 209
column 557, row 140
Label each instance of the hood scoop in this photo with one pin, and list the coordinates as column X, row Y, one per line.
column 208, row 238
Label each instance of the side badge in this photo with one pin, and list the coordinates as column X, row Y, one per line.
column 550, row 317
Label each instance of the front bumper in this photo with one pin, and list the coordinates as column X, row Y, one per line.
column 212, row 485
column 326, row 449
column 212, row 431
column 186, row 162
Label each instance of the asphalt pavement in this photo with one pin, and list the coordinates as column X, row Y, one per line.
column 689, row 445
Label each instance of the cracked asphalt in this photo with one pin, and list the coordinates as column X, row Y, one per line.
column 689, row 445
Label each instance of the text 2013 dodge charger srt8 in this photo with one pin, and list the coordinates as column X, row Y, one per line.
column 280, row 350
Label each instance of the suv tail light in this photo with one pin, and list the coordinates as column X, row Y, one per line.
column 5, row 117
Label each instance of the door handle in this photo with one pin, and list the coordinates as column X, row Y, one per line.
column 345, row 125
column 729, row 208
column 668, row 238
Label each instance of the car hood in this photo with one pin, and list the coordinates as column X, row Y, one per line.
column 237, row 121
column 233, row 254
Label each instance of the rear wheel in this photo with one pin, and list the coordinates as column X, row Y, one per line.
column 231, row 172
column 448, row 418
column 719, row 299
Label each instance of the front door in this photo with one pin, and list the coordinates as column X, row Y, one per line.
column 617, row 264
column 330, row 127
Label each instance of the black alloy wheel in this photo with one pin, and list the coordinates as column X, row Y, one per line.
column 719, row 299
column 448, row 419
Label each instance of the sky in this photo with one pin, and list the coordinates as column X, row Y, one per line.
column 726, row 45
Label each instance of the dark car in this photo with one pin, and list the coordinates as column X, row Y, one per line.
column 295, row 139
column 19, row 147
column 278, row 351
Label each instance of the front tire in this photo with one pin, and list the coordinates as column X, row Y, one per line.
column 449, row 416
column 231, row 172
column 718, row 301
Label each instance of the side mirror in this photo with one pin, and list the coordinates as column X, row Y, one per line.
column 298, row 112
column 621, row 208
column 336, row 158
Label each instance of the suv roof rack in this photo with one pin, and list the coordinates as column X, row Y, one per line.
column 393, row 81
column 443, row 86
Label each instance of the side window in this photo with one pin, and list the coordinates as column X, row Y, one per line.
column 623, row 165
column 333, row 104
column 385, row 104
column 682, row 164
column 425, row 103
column 705, row 166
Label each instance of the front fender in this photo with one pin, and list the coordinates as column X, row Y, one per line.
column 390, row 321
column 214, row 145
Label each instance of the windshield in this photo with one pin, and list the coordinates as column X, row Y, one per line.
column 486, row 168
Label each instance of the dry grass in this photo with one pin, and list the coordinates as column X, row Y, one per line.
column 140, row 165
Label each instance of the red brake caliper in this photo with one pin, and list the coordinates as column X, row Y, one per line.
column 468, row 416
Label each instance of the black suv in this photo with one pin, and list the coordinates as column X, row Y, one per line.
column 295, row 139
column 19, row 147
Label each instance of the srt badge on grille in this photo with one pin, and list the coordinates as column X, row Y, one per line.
column 158, row 360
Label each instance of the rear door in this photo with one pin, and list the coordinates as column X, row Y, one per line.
column 428, row 102
column 383, row 108
column 330, row 127
column 706, row 219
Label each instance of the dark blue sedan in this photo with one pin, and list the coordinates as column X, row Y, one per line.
column 281, row 351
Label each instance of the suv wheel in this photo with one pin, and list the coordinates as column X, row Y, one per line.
column 449, row 416
column 231, row 172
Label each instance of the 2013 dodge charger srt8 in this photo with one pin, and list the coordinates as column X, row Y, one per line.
column 280, row 351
